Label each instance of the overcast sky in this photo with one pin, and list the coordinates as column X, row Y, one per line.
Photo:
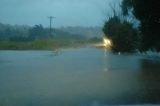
column 67, row 12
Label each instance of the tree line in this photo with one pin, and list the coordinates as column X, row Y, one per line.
column 24, row 33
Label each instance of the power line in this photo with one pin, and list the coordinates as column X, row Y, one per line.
column 50, row 21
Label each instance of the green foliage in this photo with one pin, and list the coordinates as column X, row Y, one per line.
column 41, row 44
column 37, row 37
column 38, row 32
column 95, row 40
column 147, row 12
column 124, row 37
column 11, row 33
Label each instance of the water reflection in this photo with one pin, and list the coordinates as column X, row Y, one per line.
column 150, row 80
column 56, row 52
column 105, row 60
column 134, row 78
column 78, row 77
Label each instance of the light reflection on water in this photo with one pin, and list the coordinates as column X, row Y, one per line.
column 82, row 77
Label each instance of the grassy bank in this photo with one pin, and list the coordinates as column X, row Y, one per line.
column 41, row 44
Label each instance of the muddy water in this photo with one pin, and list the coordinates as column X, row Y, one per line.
column 77, row 77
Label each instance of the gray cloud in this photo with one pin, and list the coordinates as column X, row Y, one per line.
column 67, row 12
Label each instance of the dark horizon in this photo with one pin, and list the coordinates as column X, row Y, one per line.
column 74, row 26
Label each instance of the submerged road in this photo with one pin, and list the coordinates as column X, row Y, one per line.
column 77, row 77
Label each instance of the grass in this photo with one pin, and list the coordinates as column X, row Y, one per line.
column 45, row 44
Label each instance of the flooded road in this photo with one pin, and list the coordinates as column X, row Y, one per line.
column 77, row 77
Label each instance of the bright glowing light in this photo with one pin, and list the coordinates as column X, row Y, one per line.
column 107, row 42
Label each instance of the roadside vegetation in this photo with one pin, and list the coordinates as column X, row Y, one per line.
column 134, row 27
column 39, row 38
column 45, row 44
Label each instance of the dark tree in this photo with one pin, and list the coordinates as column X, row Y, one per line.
column 124, row 37
column 148, row 13
column 37, row 32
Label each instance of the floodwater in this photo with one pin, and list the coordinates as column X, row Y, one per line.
column 78, row 77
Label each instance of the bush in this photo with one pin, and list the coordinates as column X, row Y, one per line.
column 124, row 37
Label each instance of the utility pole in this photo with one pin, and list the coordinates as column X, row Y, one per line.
column 50, row 20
